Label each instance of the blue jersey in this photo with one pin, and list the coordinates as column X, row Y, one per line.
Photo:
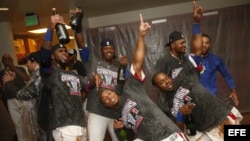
column 211, row 64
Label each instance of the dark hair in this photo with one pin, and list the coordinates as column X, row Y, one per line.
column 99, row 92
column 206, row 35
column 153, row 77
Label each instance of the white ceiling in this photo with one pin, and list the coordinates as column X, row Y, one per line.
column 92, row 8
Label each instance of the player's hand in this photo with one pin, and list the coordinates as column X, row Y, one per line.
column 197, row 13
column 144, row 27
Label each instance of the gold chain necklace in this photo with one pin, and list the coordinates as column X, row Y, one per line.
column 179, row 59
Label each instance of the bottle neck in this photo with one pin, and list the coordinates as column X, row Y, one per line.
column 54, row 12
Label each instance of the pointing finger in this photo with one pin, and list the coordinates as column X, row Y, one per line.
column 141, row 19
column 194, row 4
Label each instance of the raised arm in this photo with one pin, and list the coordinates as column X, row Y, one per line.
column 45, row 50
column 139, row 54
column 196, row 47
column 54, row 19
column 76, row 17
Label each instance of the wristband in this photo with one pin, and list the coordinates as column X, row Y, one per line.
column 84, row 53
column 48, row 35
column 179, row 117
column 196, row 28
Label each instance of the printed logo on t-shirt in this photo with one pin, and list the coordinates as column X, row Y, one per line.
column 178, row 100
column 175, row 72
column 181, row 92
column 130, row 115
column 73, row 82
column 109, row 77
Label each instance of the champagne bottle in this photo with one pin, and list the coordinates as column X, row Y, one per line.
column 61, row 31
column 189, row 121
column 76, row 21
column 123, row 134
column 121, row 73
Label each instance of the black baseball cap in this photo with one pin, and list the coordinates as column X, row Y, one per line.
column 57, row 46
column 107, row 42
column 34, row 56
column 174, row 36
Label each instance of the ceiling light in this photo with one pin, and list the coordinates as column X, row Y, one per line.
column 4, row 9
column 159, row 21
column 104, row 29
column 43, row 30
column 210, row 13
column 38, row 31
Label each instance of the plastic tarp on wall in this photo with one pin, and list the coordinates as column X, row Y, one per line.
column 229, row 29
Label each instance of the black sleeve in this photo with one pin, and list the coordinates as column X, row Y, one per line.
column 45, row 62
column 80, row 68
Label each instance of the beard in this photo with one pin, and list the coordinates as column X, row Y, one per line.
column 64, row 64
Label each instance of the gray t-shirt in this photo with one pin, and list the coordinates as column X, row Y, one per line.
column 209, row 111
column 109, row 76
column 141, row 114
